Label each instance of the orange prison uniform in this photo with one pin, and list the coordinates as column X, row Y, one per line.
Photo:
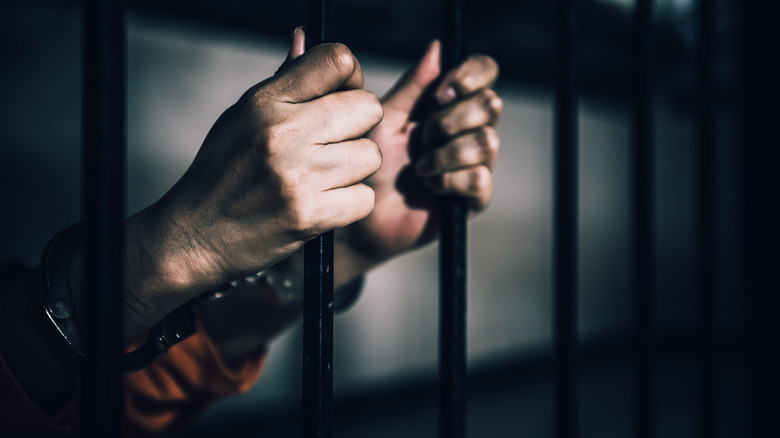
column 160, row 398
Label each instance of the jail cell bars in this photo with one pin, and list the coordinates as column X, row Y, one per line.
column 758, row 156
column 103, row 194
column 103, row 168
column 643, row 224
column 452, row 267
column 318, row 301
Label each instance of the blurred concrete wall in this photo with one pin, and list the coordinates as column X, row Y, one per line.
column 181, row 78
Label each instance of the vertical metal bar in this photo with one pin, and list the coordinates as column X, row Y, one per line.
column 103, row 200
column 565, row 418
column 452, row 267
column 760, row 236
column 705, row 219
column 318, row 283
column 643, row 222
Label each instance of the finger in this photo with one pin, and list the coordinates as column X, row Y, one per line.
column 405, row 94
column 338, row 116
column 471, row 149
column 320, row 70
column 297, row 47
column 481, row 109
column 343, row 206
column 475, row 73
column 473, row 184
column 346, row 163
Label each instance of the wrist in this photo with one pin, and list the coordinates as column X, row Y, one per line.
column 163, row 269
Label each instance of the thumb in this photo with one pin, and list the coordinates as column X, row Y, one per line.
column 402, row 98
column 297, row 47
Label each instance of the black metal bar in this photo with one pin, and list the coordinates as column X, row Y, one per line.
column 565, row 277
column 452, row 266
column 103, row 174
column 318, row 301
column 320, row 22
column 705, row 219
column 643, row 222
column 760, row 236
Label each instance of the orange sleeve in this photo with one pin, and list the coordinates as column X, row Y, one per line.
column 182, row 383
column 159, row 399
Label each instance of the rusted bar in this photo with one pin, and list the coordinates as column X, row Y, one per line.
column 103, row 198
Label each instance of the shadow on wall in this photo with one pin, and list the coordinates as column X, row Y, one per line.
column 182, row 77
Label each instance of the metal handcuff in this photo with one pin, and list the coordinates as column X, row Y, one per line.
column 178, row 325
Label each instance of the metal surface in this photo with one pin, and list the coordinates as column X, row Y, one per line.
column 643, row 223
column 760, row 236
column 318, row 302
column 565, row 277
column 706, row 186
column 452, row 267
column 103, row 199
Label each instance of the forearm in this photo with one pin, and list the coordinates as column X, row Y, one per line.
column 38, row 356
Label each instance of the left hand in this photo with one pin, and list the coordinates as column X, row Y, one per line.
column 459, row 146
column 405, row 189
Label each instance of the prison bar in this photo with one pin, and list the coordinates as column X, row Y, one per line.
column 318, row 302
column 705, row 219
column 103, row 154
column 565, row 251
column 643, row 221
column 760, row 237
column 452, row 266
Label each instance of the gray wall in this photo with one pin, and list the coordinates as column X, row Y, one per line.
column 181, row 78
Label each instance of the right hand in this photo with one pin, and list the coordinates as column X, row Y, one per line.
column 281, row 166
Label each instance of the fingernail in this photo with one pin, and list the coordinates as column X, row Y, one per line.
column 446, row 95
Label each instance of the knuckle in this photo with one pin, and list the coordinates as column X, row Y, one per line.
column 486, row 64
column 251, row 97
column 341, row 58
column 492, row 102
column 367, row 200
column 377, row 111
column 454, row 156
column 490, row 140
column 497, row 104
column 477, row 71
column 374, row 155
column 371, row 106
column 448, row 124
column 302, row 217
column 488, row 95
column 480, row 180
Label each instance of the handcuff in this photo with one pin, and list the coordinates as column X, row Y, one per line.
column 283, row 278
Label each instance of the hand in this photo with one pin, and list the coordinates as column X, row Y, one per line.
column 282, row 165
column 457, row 146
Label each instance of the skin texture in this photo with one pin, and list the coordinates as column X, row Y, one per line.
column 281, row 166
column 303, row 152
column 457, row 145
